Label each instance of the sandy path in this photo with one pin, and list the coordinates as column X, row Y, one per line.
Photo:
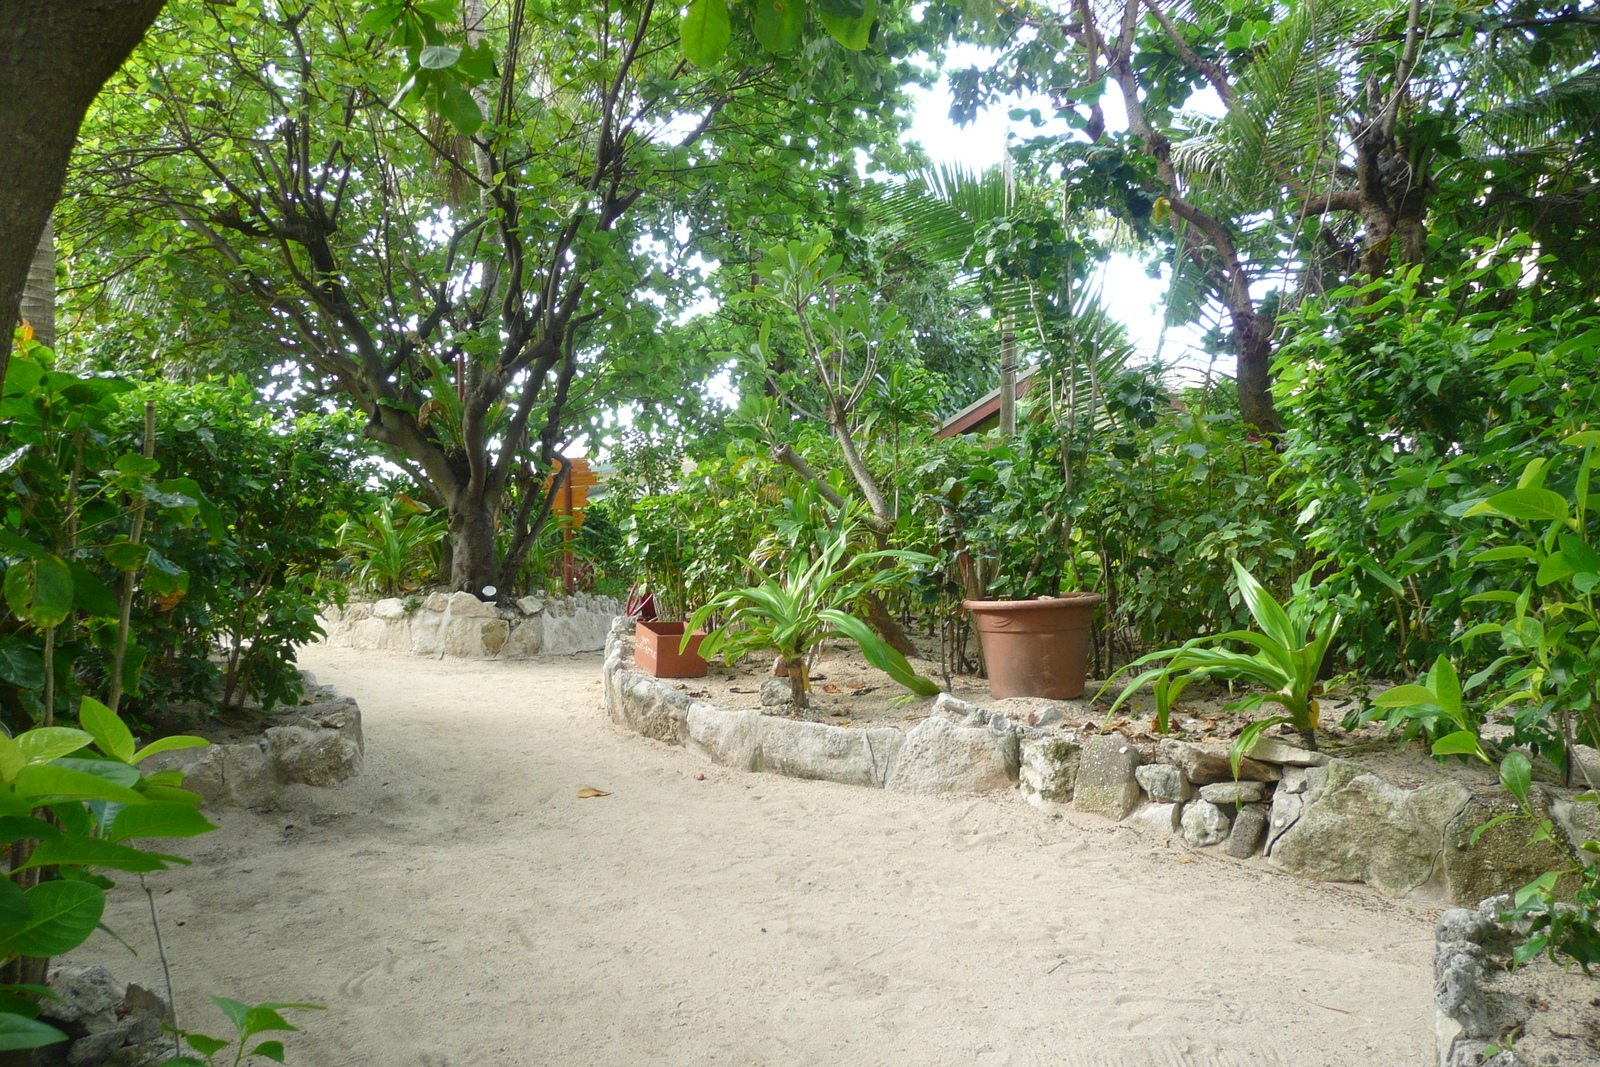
column 457, row 904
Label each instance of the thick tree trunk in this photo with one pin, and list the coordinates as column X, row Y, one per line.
column 54, row 57
column 39, row 294
column 473, row 566
column 1253, row 375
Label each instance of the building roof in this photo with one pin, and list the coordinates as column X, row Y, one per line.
column 984, row 413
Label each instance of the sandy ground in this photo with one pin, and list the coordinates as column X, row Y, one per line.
column 458, row 904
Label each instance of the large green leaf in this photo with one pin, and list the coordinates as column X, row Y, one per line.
column 20, row 665
column 15, row 911
column 90, row 594
column 171, row 743
column 1446, row 686
column 50, row 742
column 47, row 784
column 1267, row 612
column 166, row 818
column 854, row 33
column 877, row 653
column 1516, row 774
column 96, row 852
column 20, row 1032
column 1525, row 503
column 704, row 32
column 779, row 23
column 40, row 590
column 64, row 914
column 110, row 733
column 1460, row 743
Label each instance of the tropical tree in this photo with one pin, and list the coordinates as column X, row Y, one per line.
column 451, row 244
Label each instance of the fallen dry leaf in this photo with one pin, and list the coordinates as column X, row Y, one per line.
column 588, row 791
column 830, row 688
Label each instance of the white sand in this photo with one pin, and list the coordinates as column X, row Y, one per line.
column 457, row 904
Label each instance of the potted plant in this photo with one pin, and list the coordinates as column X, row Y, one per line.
column 1036, row 648
column 806, row 604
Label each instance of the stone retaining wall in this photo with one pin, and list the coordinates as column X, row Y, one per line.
column 1295, row 810
column 459, row 624
column 318, row 743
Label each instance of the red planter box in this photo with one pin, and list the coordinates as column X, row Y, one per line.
column 655, row 651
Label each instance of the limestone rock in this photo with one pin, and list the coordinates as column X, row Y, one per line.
column 726, row 738
column 957, row 710
column 1164, row 782
column 1505, row 857
column 650, row 707
column 1286, row 809
column 1204, row 824
column 1241, row 792
column 775, row 692
column 390, row 608
column 312, row 757
column 940, row 757
column 436, row 602
column 464, row 605
column 1579, row 822
column 86, row 993
column 1204, row 764
column 1162, row 818
column 1106, row 784
column 1249, row 827
column 1051, row 714
column 826, row 753
column 493, row 635
column 1355, row 827
column 1048, row 770
column 1294, row 780
column 523, row 642
column 1271, row 750
column 427, row 634
column 530, row 605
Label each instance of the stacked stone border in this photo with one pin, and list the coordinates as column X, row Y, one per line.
column 461, row 625
column 1295, row 810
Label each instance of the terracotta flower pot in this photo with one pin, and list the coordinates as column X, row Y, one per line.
column 1036, row 648
column 655, row 651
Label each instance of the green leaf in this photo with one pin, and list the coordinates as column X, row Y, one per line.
column 272, row 1050
column 15, row 911
column 438, row 57
column 49, row 784
column 112, row 770
column 168, row 744
column 90, row 594
column 1446, row 686
column 21, row 544
column 1579, row 553
column 704, row 32
column 1492, row 823
column 20, row 665
column 1404, row 696
column 110, row 733
column 50, row 742
column 1267, row 612
column 64, row 915
column 14, row 828
column 1494, row 555
column 164, row 818
column 1460, row 743
column 95, row 852
column 40, row 590
column 779, row 24
column 20, row 1032
column 854, row 33
column 877, row 653
column 205, row 1045
column 1525, row 503
column 126, row 556
column 1247, row 740
column 457, row 105
column 1516, row 774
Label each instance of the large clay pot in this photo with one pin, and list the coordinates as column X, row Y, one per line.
column 655, row 651
column 1036, row 648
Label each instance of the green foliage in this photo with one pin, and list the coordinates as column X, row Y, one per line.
column 97, row 799
column 1436, row 708
column 1556, row 926
column 1408, row 402
column 389, row 546
column 249, row 1021
column 807, row 603
column 1289, row 649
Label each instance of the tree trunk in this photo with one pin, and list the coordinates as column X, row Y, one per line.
column 1008, row 382
column 887, row 626
column 39, row 294
column 799, row 681
column 472, row 550
column 54, row 57
column 1253, row 376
